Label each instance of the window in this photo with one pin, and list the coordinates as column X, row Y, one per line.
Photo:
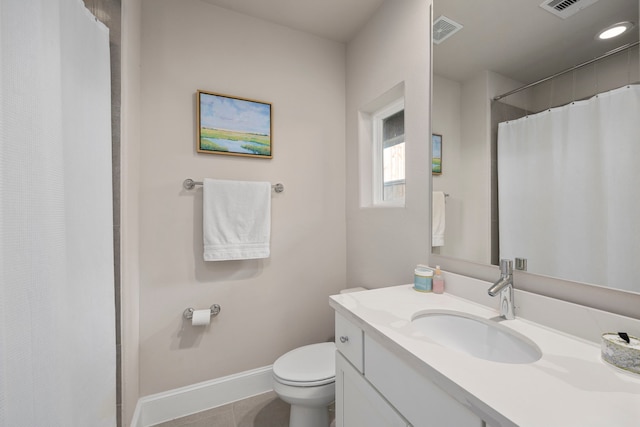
column 381, row 150
column 389, row 155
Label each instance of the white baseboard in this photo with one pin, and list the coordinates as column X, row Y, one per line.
column 180, row 402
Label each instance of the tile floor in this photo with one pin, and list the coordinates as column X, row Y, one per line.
column 263, row 410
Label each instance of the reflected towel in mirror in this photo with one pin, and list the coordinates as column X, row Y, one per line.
column 437, row 218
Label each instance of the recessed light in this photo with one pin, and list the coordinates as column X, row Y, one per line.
column 615, row 30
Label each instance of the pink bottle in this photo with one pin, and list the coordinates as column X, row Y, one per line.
column 438, row 281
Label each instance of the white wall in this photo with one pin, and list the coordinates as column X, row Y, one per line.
column 460, row 114
column 476, row 171
column 607, row 74
column 447, row 121
column 130, row 205
column 384, row 244
column 268, row 306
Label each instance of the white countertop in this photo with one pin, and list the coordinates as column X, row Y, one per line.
column 568, row 386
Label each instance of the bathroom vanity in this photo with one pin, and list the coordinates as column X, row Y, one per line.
column 390, row 371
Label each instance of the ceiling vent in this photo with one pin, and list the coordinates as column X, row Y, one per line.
column 565, row 8
column 443, row 28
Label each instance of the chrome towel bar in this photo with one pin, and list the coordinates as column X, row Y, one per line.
column 190, row 184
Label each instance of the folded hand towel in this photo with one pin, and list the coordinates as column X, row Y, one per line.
column 236, row 219
column 437, row 219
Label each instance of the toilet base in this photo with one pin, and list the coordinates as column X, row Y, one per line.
column 309, row 405
column 306, row 416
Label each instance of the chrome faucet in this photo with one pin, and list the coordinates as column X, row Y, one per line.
column 504, row 286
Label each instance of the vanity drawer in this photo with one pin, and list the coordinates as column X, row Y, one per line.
column 349, row 341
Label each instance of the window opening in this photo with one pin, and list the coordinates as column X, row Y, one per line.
column 393, row 157
column 389, row 158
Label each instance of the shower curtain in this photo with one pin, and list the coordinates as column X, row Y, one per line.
column 57, row 314
column 568, row 189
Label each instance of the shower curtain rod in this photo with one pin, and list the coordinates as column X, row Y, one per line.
column 575, row 67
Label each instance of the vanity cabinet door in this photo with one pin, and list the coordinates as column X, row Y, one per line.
column 349, row 341
column 358, row 404
column 419, row 400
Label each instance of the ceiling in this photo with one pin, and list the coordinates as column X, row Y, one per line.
column 521, row 40
column 515, row 38
column 337, row 20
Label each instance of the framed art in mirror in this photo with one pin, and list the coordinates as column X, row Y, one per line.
column 436, row 154
column 233, row 126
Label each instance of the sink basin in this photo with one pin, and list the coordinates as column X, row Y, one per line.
column 478, row 337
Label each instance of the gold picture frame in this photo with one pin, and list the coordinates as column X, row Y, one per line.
column 233, row 126
column 436, row 154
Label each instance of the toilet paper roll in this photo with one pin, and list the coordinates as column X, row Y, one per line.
column 201, row 317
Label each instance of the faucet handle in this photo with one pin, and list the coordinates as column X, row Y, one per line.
column 506, row 267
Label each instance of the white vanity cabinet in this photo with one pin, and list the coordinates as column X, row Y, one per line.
column 358, row 404
column 374, row 387
column 391, row 369
column 418, row 399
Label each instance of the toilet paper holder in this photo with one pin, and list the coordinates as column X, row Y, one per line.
column 188, row 313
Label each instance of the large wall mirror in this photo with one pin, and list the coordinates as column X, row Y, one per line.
column 491, row 48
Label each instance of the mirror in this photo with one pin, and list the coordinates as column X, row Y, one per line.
column 501, row 46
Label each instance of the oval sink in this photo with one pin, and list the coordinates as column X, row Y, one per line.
column 478, row 337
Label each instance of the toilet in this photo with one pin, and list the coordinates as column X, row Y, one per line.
column 305, row 378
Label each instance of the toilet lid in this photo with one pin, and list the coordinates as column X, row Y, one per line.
column 313, row 364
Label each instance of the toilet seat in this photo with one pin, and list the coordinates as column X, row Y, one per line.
column 309, row 366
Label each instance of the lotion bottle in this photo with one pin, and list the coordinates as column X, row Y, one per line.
column 438, row 281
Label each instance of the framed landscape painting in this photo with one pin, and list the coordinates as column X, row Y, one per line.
column 233, row 126
column 436, row 154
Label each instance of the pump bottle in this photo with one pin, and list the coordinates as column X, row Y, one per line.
column 438, row 281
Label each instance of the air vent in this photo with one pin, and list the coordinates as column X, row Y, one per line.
column 565, row 8
column 443, row 28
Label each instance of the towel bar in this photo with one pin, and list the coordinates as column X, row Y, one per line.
column 189, row 184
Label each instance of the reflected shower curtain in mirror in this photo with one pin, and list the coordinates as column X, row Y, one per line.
column 568, row 189
column 57, row 314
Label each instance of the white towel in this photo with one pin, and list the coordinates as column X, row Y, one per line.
column 437, row 219
column 236, row 219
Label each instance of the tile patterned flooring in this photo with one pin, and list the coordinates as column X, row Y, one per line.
column 263, row 410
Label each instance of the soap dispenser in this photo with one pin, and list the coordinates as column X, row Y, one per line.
column 438, row 281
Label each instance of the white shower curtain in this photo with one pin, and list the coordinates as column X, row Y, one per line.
column 57, row 328
column 569, row 189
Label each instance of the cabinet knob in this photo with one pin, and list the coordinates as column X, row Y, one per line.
column 344, row 339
